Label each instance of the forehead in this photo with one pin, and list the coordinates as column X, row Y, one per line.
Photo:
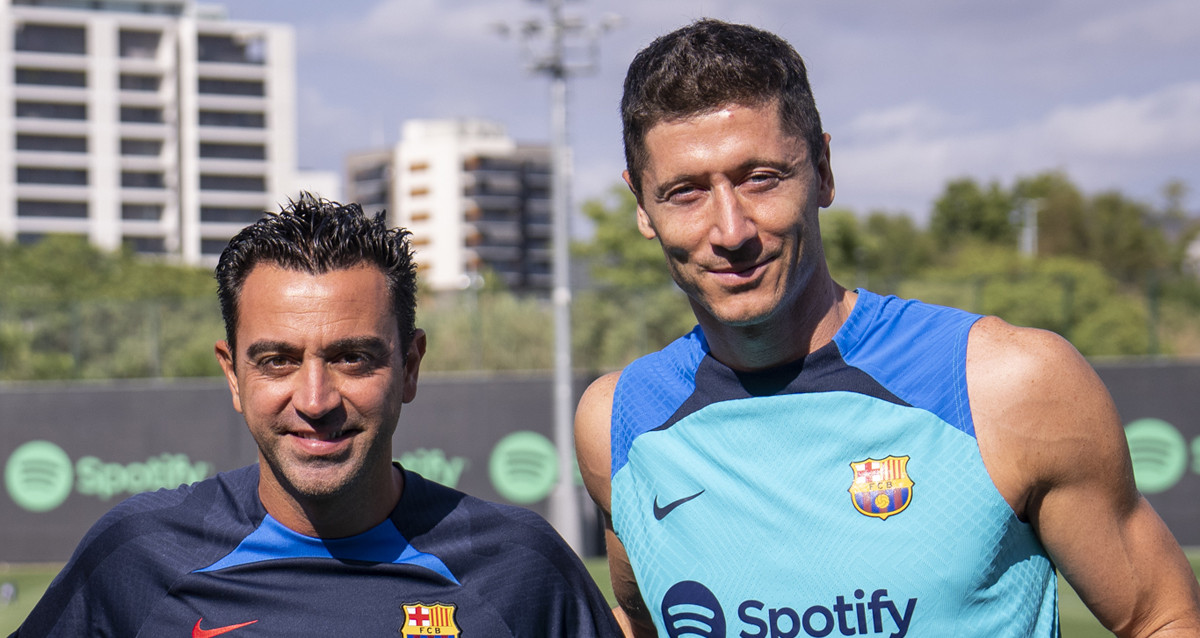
column 280, row 303
column 731, row 133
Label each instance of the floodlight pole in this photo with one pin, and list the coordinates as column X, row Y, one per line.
column 564, row 508
column 564, row 500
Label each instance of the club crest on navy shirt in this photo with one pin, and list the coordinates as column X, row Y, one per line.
column 429, row 621
column 881, row 488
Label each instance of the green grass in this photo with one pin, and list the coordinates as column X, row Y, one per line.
column 31, row 580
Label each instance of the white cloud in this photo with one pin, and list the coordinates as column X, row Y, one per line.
column 1169, row 22
column 1118, row 143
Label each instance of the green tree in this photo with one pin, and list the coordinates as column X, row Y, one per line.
column 878, row 253
column 617, row 254
column 965, row 210
column 69, row 310
column 1062, row 216
column 634, row 306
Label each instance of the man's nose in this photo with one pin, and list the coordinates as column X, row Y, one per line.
column 316, row 393
column 731, row 227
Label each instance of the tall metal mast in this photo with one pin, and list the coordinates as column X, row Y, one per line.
column 564, row 511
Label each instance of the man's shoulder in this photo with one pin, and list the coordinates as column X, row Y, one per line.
column 487, row 519
column 178, row 513
column 232, row 488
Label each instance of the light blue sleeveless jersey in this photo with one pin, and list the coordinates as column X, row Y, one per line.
column 841, row 495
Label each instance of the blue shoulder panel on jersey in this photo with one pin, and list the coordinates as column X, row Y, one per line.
column 911, row 348
column 380, row 544
column 674, row 370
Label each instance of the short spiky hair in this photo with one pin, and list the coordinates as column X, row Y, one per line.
column 316, row 236
column 707, row 65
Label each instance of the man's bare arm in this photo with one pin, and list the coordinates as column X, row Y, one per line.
column 594, row 450
column 1053, row 444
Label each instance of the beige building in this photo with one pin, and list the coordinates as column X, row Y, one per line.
column 155, row 123
column 475, row 200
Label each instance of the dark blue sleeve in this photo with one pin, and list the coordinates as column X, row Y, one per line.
column 128, row 560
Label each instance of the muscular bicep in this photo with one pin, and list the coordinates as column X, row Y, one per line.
column 593, row 447
column 1053, row 444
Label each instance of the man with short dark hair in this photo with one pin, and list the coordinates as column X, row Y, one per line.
column 813, row 461
column 325, row 535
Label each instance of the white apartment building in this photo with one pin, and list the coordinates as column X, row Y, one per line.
column 157, row 123
column 474, row 200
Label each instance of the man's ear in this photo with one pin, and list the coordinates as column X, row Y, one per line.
column 412, row 364
column 225, row 358
column 825, row 174
column 643, row 220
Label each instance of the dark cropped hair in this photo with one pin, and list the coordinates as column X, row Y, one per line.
column 317, row 236
column 707, row 65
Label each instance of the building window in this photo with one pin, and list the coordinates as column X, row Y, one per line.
column 141, row 147
column 136, row 82
column 371, row 174
column 36, row 208
column 232, row 183
column 418, row 191
column 49, row 38
column 51, row 143
column 139, row 44
column 224, row 215
column 213, row 86
column 147, row 245
column 213, row 247
column 231, row 49
column 141, row 212
column 141, row 114
column 418, row 167
column 142, row 179
column 52, row 110
column 241, row 119
column 233, row 151
column 51, row 77
column 422, row 216
column 58, row 176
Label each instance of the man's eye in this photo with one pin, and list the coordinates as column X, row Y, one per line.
column 356, row 360
column 762, row 179
column 275, row 363
column 683, row 195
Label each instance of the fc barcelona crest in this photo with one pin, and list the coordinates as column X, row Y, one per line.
column 429, row 621
column 881, row 488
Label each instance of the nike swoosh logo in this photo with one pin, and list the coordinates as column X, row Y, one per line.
column 660, row 512
column 197, row 632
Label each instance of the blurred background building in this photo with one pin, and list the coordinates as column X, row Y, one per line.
column 475, row 200
column 156, row 123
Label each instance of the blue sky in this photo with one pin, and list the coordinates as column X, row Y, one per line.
column 913, row 93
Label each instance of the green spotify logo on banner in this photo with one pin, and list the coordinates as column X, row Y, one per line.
column 39, row 476
column 1159, row 454
column 524, row 467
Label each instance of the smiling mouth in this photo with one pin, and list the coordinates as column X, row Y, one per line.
column 738, row 271
column 311, row 439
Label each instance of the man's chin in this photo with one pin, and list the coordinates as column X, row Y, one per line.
column 320, row 485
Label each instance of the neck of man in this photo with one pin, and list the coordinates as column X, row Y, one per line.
column 335, row 516
column 794, row 330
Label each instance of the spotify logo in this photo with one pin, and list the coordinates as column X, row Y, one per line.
column 39, row 476
column 1159, row 454
column 523, row 467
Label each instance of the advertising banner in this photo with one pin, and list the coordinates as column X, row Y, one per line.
column 70, row 452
